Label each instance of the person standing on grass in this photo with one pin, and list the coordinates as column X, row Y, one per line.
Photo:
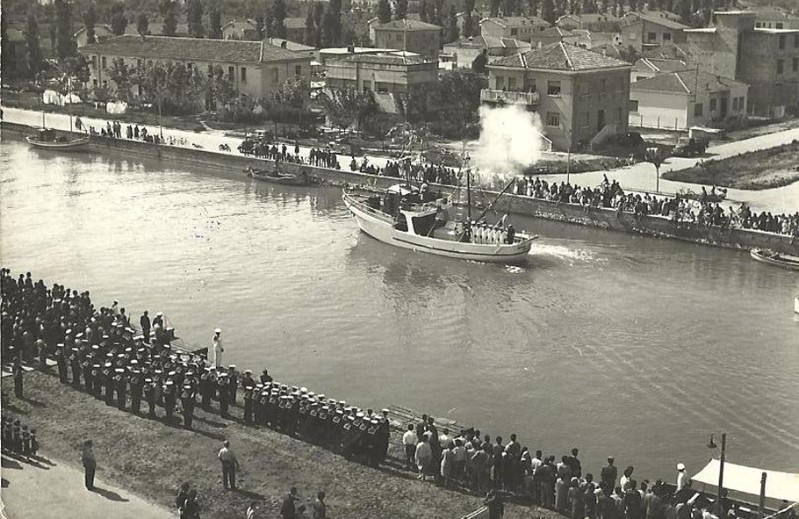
column 191, row 509
column 229, row 465
column 319, row 507
column 18, row 374
column 89, row 463
column 251, row 510
column 183, row 495
column 288, row 509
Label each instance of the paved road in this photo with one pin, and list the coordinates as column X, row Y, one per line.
column 640, row 177
column 53, row 490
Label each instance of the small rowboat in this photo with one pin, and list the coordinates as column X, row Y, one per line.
column 775, row 258
column 278, row 178
column 48, row 139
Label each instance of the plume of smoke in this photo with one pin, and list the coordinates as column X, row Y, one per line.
column 510, row 140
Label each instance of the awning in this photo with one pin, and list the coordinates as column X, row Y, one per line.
column 779, row 485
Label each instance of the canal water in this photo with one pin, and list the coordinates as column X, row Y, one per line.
column 617, row 344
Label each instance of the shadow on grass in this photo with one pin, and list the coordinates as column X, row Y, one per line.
column 110, row 495
column 13, row 457
column 209, row 422
column 5, row 483
column 14, row 409
column 250, row 495
column 8, row 463
column 31, row 401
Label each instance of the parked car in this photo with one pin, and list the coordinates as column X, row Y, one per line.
column 690, row 147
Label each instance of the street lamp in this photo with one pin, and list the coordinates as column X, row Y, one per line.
column 712, row 445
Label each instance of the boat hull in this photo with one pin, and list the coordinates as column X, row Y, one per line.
column 286, row 180
column 74, row 145
column 380, row 227
column 781, row 260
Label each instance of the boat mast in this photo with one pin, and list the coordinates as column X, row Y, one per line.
column 488, row 207
column 468, row 196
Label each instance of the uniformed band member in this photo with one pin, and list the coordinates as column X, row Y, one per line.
column 149, row 395
column 136, row 387
column 187, row 401
column 233, row 384
column 61, row 362
column 224, row 393
column 248, row 397
column 170, row 399
column 18, row 374
column 121, row 385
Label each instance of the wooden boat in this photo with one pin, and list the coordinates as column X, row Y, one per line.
column 775, row 258
column 406, row 218
column 277, row 177
column 49, row 139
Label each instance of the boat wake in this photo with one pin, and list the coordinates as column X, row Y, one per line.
column 566, row 253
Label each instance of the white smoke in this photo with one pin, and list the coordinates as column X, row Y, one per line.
column 510, row 140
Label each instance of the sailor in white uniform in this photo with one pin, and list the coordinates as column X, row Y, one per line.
column 218, row 349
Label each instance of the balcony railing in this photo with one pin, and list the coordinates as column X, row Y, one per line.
column 509, row 97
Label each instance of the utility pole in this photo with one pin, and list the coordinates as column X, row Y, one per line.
column 720, row 507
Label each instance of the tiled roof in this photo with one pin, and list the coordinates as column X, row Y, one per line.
column 199, row 49
column 410, row 25
column 554, row 31
column 386, row 59
column 156, row 27
column 656, row 18
column 588, row 18
column 560, row 56
column 290, row 45
column 668, row 51
column 685, row 82
column 516, row 21
column 659, row 65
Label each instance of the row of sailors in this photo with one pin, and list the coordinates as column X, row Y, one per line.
column 356, row 434
column 166, row 380
column 486, row 234
column 17, row 438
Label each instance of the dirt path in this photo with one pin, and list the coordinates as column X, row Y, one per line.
column 49, row 489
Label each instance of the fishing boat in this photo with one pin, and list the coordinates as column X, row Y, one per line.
column 277, row 177
column 49, row 139
column 410, row 218
column 775, row 258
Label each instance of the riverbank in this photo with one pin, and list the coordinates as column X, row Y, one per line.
column 149, row 459
column 756, row 170
column 233, row 165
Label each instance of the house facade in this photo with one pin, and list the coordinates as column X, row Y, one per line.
column 592, row 21
column 101, row 32
column 409, row 35
column 766, row 59
column 517, row 27
column 642, row 30
column 581, row 96
column 240, row 30
column 387, row 73
column 691, row 97
column 254, row 68
column 465, row 50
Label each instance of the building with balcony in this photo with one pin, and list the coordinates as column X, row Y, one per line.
column 689, row 97
column 387, row 73
column 581, row 96
column 409, row 35
column 646, row 29
column 254, row 68
column 240, row 30
column 517, row 27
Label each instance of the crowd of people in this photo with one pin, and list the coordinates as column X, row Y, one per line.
column 427, row 173
column 703, row 209
column 18, row 438
column 97, row 351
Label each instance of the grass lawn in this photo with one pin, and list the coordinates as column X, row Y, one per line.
column 151, row 459
column 764, row 169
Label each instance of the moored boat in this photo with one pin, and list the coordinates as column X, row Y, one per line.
column 775, row 258
column 407, row 218
column 277, row 177
column 49, row 139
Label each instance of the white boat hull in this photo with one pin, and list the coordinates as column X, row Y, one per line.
column 79, row 144
column 381, row 228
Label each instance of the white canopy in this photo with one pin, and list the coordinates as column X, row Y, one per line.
column 779, row 485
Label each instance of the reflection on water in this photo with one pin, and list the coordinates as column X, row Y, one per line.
column 613, row 343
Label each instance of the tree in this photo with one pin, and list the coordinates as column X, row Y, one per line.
column 383, row 11
column 65, row 42
column 118, row 20
column 451, row 29
column 142, row 25
column 331, row 24
column 493, row 7
column 684, row 10
column 656, row 157
column 259, row 27
column 437, row 17
column 121, row 75
column 468, row 21
column 89, row 19
column 218, row 89
column 215, row 20
column 479, row 63
column 548, row 11
column 169, row 10
column 533, row 5
column 194, row 18
column 310, row 29
column 633, row 5
column 400, row 9
column 268, row 17
column 347, row 107
column 318, row 16
column 423, row 16
column 278, row 19
column 32, row 42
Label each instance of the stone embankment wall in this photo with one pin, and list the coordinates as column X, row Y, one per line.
column 655, row 226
